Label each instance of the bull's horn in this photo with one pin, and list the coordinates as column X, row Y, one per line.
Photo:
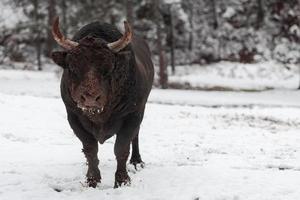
column 123, row 41
column 60, row 38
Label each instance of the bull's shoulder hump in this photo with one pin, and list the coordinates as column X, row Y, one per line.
column 105, row 31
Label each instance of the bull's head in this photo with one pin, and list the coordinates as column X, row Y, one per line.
column 87, row 64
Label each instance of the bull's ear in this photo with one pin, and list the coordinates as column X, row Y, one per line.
column 59, row 57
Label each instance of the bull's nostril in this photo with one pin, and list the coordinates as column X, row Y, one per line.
column 82, row 98
column 97, row 98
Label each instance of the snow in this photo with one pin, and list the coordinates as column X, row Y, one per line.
column 7, row 11
column 272, row 98
column 172, row 1
column 20, row 82
column 46, row 84
column 238, row 76
column 295, row 30
column 230, row 12
column 197, row 145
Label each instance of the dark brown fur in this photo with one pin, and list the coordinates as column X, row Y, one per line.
column 95, row 77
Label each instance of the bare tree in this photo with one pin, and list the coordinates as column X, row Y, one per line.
column 189, row 8
column 163, row 76
column 63, row 5
column 215, row 15
column 172, row 40
column 37, row 38
column 191, row 22
column 260, row 14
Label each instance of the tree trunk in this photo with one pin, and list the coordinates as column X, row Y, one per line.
column 215, row 26
column 64, row 16
column 299, row 65
column 51, row 14
column 299, row 78
column 191, row 18
column 215, row 14
column 172, row 45
column 37, row 32
column 260, row 14
column 163, row 77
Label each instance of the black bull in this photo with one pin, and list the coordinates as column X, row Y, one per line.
column 116, row 73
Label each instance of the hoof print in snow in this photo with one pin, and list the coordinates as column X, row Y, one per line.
column 122, row 179
column 284, row 168
column 57, row 190
column 280, row 167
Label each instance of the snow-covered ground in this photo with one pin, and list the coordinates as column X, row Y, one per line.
column 237, row 76
column 196, row 145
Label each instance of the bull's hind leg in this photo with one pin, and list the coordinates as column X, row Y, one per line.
column 136, row 159
column 121, row 149
column 90, row 150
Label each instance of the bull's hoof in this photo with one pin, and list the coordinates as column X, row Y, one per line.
column 92, row 181
column 93, row 177
column 121, row 179
column 137, row 163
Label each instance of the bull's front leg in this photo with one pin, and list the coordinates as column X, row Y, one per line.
column 90, row 150
column 121, row 149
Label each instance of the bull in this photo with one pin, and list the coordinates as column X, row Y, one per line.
column 107, row 77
